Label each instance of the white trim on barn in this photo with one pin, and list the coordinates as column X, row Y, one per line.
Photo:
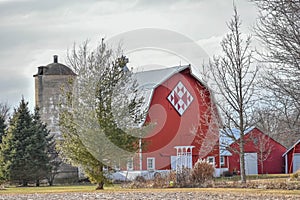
column 151, row 163
column 286, row 163
column 184, row 157
column 285, row 155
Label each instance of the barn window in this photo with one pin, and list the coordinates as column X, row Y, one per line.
column 255, row 141
column 150, row 163
column 130, row 164
column 211, row 160
column 222, row 162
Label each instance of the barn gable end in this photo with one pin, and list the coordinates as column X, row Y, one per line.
column 262, row 154
column 186, row 124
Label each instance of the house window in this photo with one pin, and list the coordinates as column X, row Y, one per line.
column 130, row 164
column 117, row 167
column 222, row 162
column 211, row 160
column 150, row 163
column 255, row 141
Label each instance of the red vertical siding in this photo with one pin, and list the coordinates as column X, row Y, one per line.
column 290, row 156
column 172, row 130
column 274, row 164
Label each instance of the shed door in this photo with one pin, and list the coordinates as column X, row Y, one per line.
column 251, row 163
column 296, row 162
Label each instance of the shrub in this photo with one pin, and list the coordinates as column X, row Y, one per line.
column 140, row 179
column 171, row 179
column 227, row 174
column 159, row 182
column 202, row 172
column 295, row 176
column 183, row 178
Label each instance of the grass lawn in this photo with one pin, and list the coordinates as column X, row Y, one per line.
column 255, row 177
column 48, row 189
column 116, row 188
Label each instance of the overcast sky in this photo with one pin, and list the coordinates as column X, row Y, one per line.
column 32, row 31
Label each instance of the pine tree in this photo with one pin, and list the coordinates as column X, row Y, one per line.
column 4, row 110
column 23, row 152
column 2, row 127
column 99, row 122
column 42, row 143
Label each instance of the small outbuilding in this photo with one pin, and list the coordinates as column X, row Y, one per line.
column 292, row 158
column 263, row 155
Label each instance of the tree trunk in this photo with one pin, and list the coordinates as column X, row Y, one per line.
column 242, row 160
column 24, row 183
column 100, row 186
column 50, row 181
column 37, row 183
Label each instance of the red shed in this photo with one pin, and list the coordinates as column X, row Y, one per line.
column 292, row 158
column 185, row 117
column 263, row 155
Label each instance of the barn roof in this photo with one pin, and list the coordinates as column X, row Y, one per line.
column 151, row 79
column 225, row 140
column 293, row 146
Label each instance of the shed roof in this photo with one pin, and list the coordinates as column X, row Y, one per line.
column 226, row 141
column 293, row 146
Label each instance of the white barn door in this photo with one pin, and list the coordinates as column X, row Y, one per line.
column 296, row 162
column 251, row 163
column 173, row 162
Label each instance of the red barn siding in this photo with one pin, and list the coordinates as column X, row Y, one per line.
column 172, row 130
column 274, row 164
column 226, row 162
column 290, row 154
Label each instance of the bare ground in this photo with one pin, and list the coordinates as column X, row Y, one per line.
column 148, row 195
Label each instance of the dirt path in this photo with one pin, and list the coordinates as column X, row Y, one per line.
column 148, row 196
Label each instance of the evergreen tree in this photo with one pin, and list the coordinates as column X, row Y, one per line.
column 4, row 109
column 2, row 127
column 16, row 147
column 41, row 143
column 101, row 116
column 23, row 152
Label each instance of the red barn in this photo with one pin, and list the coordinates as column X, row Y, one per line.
column 292, row 158
column 263, row 155
column 185, row 118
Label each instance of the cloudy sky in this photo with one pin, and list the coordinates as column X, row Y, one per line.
column 32, row 31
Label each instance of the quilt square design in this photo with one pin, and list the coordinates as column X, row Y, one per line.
column 180, row 98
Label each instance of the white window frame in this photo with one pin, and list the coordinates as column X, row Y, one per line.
column 117, row 166
column 222, row 160
column 153, row 163
column 213, row 158
column 130, row 164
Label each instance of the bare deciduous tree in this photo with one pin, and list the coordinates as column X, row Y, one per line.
column 4, row 112
column 264, row 147
column 233, row 79
column 278, row 28
column 277, row 123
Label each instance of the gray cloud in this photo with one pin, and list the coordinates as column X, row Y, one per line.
column 31, row 31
